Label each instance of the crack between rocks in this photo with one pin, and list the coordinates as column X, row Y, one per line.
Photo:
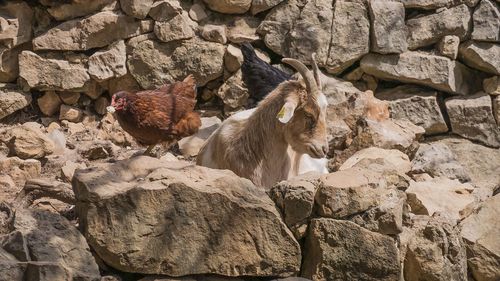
column 334, row 3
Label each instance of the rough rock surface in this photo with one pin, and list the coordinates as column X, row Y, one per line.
column 152, row 63
column 396, row 159
column 229, row 6
column 483, row 56
column 427, row 30
column 416, row 104
column 226, row 224
column 481, row 238
column 472, row 117
column 492, row 85
column 12, row 99
column 136, row 8
column 16, row 20
column 98, row 30
column 342, row 250
column 74, row 9
column 388, row 27
column 20, row 170
column 233, row 92
column 439, row 72
column 9, row 62
column 178, row 28
column 27, row 141
column 49, row 103
column 108, row 63
column 486, row 19
column 45, row 246
column 448, row 46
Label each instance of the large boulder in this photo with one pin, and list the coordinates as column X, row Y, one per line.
column 12, row 99
column 48, row 73
column 388, row 27
column 95, row 31
column 45, row 246
column 472, row 117
column 342, row 250
column 440, row 73
column 486, row 19
column 480, row 232
column 427, row 30
column 27, row 141
column 153, row 63
column 484, row 56
column 416, row 104
column 435, row 251
column 16, row 19
column 150, row 216
column 109, row 63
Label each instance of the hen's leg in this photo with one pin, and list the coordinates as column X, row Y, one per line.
column 148, row 150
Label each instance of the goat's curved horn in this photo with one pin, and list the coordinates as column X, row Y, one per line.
column 316, row 70
column 312, row 87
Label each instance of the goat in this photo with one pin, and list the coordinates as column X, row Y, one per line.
column 258, row 147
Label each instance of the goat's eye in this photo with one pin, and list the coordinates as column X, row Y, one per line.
column 310, row 121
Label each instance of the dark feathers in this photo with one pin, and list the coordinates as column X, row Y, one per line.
column 260, row 77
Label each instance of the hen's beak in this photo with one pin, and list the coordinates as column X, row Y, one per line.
column 111, row 109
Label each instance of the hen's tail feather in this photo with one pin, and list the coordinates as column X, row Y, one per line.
column 188, row 125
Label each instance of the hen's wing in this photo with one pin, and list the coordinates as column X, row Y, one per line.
column 260, row 77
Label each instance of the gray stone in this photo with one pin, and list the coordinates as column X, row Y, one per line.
column 229, row 6
column 108, row 63
column 448, row 46
column 263, row 5
column 439, row 72
column 233, row 92
column 480, row 233
column 472, row 117
column 427, row 30
column 75, row 9
column 388, row 27
column 223, row 224
column 416, row 104
column 16, row 20
column 136, row 8
column 342, row 250
column 165, row 10
column 436, row 4
column 152, row 63
column 178, row 28
column 12, row 99
column 486, row 19
column 242, row 29
column 483, row 56
column 96, row 31
column 214, row 33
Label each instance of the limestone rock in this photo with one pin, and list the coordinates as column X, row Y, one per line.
column 45, row 73
column 388, row 27
column 165, row 10
column 228, row 226
column 416, row 104
column 295, row 199
column 233, row 92
column 435, row 252
column 136, row 8
column 342, row 250
column 123, row 83
column 492, row 85
column 50, row 247
column 152, row 63
column 69, row 98
column 486, row 20
column 9, row 62
column 440, row 73
column 448, row 46
column 481, row 239
column 483, row 56
column 229, row 6
column 214, row 33
column 28, row 142
column 263, row 5
column 12, row 99
column 70, row 113
column 436, row 4
column 20, row 170
column 16, row 20
column 472, row 117
column 198, row 12
column 178, row 28
column 49, row 103
column 95, row 31
column 108, row 63
column 242, row 29
column 68, row 170
column 190, row 146
column 427, row 30
column 233, row 58
column 449, row 198
column 437, row 160
column 75, row 9
column 100, row 105
column 394, row 158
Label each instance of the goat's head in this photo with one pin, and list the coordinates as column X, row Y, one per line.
column 304, row 113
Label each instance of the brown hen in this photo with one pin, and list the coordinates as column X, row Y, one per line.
column 164, row 115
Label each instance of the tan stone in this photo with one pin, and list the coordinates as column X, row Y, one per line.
column 75, row 9
column 108, row 63
column 178, row 28
column 12, row 99
column 483, row 56
column 229, row 6
column 448, row 46
column 492, row 85
column 165, row 10
column 49, row 103
column 388, row 27
column 70, row 113
column 69, row 98
column 136, row 8
column 16, row 20
column 27, row 141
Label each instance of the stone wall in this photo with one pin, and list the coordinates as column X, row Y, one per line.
column 72, row 55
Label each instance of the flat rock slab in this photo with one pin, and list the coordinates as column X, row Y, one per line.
column 342, row 250
column 437, row 72
column 150, row 216
column 484, row 56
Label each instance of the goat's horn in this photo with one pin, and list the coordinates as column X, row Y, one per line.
column 316, row 70
column 311, row 85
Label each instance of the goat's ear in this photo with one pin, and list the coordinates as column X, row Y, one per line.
column 286, row 112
